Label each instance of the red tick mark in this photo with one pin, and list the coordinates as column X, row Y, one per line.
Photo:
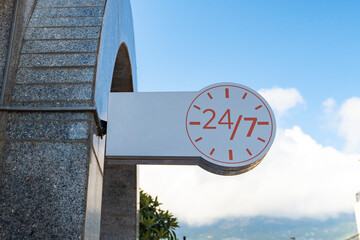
column 248, row 151
column 196, row 107
column 230, row 155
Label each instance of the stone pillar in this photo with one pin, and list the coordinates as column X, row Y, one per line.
column 51, row 157
column 120, row 189
column 6, row 16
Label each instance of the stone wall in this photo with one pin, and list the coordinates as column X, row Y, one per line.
column 52, row 162
column 6, row 15
column 47, row 158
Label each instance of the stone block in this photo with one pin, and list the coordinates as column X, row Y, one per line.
column 69, row 3
column 47, row 130
column 60, row 103
column 52, row 92
column 57, row 60
column 120, row 207
column 79, row 130
column 41, row 180
column 18, row 116
column 121, row 178
column 69, row 12
column 50, row 46
column 62, row 33
column 65, row 22
column 58, row 75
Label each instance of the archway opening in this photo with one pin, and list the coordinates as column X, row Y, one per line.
column 122, row 80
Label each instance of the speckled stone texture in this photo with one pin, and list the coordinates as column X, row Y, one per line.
column 58, row 75
column 51, row 163
column 62, row 33
column 6, row 15
column 65, row 46
column 69, row 12
column 46, row 183
column 118, row 221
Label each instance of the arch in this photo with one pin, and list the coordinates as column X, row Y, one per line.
column 122, row 75
column 116, row 51
column 120, row 192
column 116, row 72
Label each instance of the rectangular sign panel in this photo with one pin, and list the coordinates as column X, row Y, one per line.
column 149, row 126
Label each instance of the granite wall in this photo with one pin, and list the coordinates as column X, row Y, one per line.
column 120, row 192
column 6, row 15
column 52, row 162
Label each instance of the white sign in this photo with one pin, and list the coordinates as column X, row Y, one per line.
column 225, row 128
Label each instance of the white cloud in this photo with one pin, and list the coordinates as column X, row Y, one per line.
column 329, row 105
column 298, row 178
column 345, row 120
column 282, row 99
column 330, row 114
column 349, row 126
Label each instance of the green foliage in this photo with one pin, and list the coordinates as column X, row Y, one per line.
column 155, row 223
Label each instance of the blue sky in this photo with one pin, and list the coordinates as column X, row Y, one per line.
column 312, row 46
column 309, row 49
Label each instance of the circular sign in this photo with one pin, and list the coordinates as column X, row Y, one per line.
column 231, row 125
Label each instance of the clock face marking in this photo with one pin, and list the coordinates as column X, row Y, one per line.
column 234, row 120
column 248, row 151
column 230, row 155
column 227, row 93
column 197, row 107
